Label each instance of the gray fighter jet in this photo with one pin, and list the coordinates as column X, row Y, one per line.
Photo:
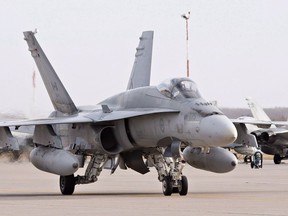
column 145, row 126
column 260, row 134
column 272, row 140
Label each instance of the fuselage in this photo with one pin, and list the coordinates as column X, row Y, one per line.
column 190, row 119
column 196, row 121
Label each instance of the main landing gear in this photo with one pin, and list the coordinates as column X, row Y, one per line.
column 95, row 166
column 277, row 159
column 169, row 173
column 247, row 158
column 67, row 184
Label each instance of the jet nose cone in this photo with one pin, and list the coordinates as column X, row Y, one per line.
column 217, row 130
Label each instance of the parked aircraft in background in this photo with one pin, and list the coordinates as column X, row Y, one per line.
column 246, row 143
column 145, row 126
column 272, row 140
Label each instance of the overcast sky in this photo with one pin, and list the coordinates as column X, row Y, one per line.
column 236, row 48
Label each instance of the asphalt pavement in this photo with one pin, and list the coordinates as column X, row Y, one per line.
column 24, row 190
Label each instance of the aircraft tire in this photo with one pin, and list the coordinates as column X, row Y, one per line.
column 67, row 184
column 167, row 186
column 247, row 159
column 277, row 159
column 175, row 190
column 261, row 165
column 183, row 189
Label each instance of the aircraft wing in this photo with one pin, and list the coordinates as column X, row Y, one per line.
column 280, row 123
column 122, row 114
column 253, row 122
column 263, row 124
column 44, row 121
column 94, row 117
column 283, row 135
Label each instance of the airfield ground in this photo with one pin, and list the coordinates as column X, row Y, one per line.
column 24, row 190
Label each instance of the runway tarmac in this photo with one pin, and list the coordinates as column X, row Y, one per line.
column 24, row 190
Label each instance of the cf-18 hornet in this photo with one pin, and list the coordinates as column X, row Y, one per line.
column 271, row 139
column 259, row 134
column 161, row 126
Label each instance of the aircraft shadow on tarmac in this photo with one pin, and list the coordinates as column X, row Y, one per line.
column 75, row 196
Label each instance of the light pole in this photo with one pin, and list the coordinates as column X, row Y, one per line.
column 186, row 17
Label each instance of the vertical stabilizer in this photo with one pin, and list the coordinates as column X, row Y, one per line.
column 257, row 111
column 140, row 75
column 57, row 92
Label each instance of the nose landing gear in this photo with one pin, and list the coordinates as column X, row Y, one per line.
column 179, row 186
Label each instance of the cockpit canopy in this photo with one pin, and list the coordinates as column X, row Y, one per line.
column 179, row 88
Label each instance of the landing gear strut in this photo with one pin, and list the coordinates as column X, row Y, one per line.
column 170, row 174
column 67, row 183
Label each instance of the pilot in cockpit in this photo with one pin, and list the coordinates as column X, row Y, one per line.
column 179, row 88
column 187, row 90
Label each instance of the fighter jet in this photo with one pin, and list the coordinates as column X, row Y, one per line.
column 259, row 134
column 246, row 143
column 272, row 140
column 161, row 126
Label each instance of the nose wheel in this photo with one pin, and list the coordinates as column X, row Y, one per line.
column 167, row 186
column 183, row 186
column 170, row 186
column 170, row 170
